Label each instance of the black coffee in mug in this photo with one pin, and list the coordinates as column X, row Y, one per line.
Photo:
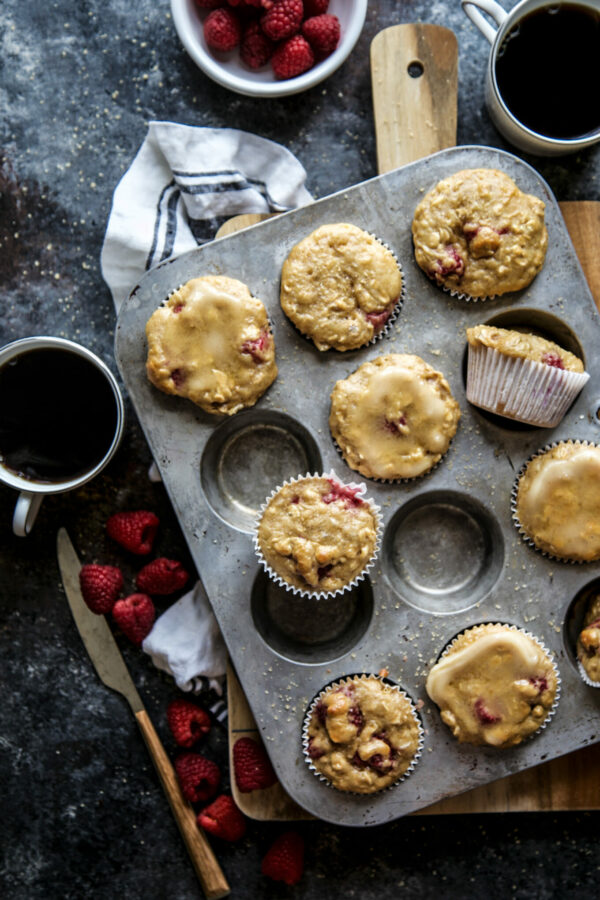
column 548, row 70
column 58, row 415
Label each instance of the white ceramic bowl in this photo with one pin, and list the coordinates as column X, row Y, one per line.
column 227, row 68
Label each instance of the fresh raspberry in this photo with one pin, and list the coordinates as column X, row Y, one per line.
column 133, row 530
column 222, row 29
column 315, row 8
column 100, row 587
column 322, row 33
column 252, row 767
column 223, row 819
column 188, row 722
column 161, row 577
column 256, row 49
column 135, row 616
column 208, row 4
column 284, row 861
column 257, row 4
column 483, row 713
column 554, row 360
column 283, row 19
column 198, row 777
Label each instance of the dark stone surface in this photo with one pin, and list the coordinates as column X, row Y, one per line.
column 82, row 811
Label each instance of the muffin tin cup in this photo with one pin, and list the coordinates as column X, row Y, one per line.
column 340, row 683
column 520, row 389
column 513, row 502
column 542, row 647
column 358, row 578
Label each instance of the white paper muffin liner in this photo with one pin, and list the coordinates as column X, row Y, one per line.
column 513, row 502
column 520, row 389
column 585, row 677
column 542, row 647
column 348, row 679
column 306, row 592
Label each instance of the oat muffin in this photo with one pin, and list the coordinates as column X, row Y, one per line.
column 557, row 504
column 476, row 233
column 317, row 534
column 362, row 735
column 521, row 376
column 340, row 286
column 211, row 342
column 588, row 641
column 394, row 417
column 494, row 686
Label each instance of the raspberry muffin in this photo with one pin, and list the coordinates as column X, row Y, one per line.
column 394, row 417
column 340, row 286
column 521, row 376
column 588, row 643
column 557, row 501
column 211, row 342
column 362, row 735
column 494, row 685
column 316, row 535
column 477, row 234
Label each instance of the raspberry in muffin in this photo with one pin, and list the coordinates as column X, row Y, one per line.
column 362, row 734
column 394, row 417
column 211, row 342
column 340, row 286
column 478, row 234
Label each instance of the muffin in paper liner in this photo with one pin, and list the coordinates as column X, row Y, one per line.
column 320, row 562
column 542, row 545
column 356, row 774
column 382, row 321
column 589, row 639
column 521, row 389
column 367, row 402
column 486, row 712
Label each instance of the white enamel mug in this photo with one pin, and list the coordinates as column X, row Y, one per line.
column 32, row 492
column 507, row 124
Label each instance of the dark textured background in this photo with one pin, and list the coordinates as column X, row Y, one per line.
column 82, row 814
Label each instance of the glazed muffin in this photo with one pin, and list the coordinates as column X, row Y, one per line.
column 316, row 535
column 588, row 642
column 557, row 501
column 340, row 286
column 521, row 376
column 362, row 735
column 393, row 417
column 211, row 342
column 494, row 685
column 477, row 234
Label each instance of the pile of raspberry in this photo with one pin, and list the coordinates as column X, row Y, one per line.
column 292, row 35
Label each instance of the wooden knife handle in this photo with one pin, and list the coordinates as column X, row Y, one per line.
column 208, row 870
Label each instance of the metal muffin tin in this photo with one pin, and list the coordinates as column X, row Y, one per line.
column 450, row 557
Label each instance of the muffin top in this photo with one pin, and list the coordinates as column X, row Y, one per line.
column 363, row 735
column 339, row 286
column 495, row 686
column 588, row 641
column 394, row 417
column 512, row 342
column 558, row 501
column 211, row 342
column 476, row 233
column 317, row 534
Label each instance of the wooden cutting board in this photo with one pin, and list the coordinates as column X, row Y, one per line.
column 416, row 116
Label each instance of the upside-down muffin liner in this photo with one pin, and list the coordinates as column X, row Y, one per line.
column 274, row 576
column 520, row 389
column 348, row 679
column 447, row 649
column 513, row 502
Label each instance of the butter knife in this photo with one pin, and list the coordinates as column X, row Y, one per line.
column 110, row 666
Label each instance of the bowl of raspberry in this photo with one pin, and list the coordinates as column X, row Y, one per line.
column 268, row 48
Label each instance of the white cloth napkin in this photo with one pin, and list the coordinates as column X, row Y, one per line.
column 182, row 185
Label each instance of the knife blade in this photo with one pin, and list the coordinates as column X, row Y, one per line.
column 110, row 667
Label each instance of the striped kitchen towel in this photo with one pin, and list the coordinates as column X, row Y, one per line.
column 182, row 185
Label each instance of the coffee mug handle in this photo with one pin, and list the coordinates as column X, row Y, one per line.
column 26, row 510
column 493, row 9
